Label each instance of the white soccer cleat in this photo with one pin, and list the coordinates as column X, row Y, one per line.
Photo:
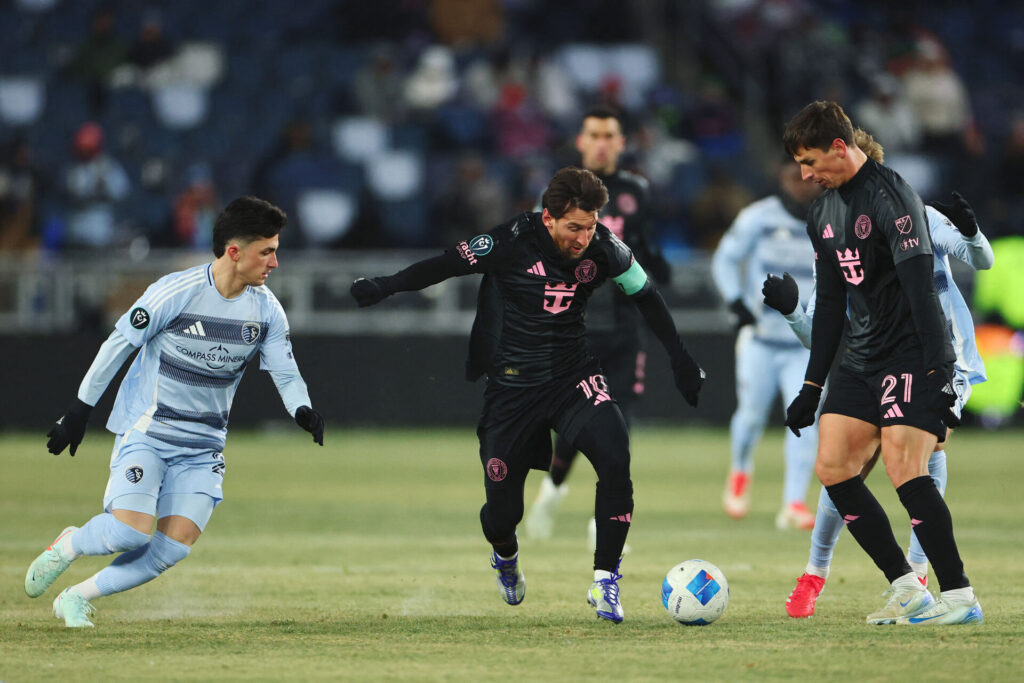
column 540, row 523
column 736, row 497
column 50, row 564
column 73, row 609
column 907, row 598
column 603, row 596
column 947, row 610
column 794, row 516
column 510, row 578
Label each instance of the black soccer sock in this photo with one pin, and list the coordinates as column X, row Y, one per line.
column 933, row 526
column 505, row 544
column 613, row 512
column 561, row 462
column 866, row 520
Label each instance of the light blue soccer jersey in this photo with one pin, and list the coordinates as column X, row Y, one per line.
column 764, row 238
column 946, row 241
column 195, row 345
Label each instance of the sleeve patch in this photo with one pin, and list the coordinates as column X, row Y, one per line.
column 139, row 318
column 633, row 280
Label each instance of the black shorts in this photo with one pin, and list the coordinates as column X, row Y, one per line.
column 893, row 396
column 516, row 422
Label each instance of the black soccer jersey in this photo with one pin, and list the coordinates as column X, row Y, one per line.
column 861, row 231
column 628, row 216
column 544, row 295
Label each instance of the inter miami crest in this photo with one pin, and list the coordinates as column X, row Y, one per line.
column 250, row 332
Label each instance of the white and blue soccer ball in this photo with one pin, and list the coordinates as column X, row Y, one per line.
column 695, row 592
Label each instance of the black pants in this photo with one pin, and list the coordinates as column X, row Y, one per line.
column 514, row 437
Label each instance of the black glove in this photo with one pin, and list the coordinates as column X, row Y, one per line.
column 689, row 377
column 781, row 293
column 960, row 213
column 800, row 412
column 312, row 422
column 70, row 428
column 743, row 314
column 368, row 292
column 942, row 397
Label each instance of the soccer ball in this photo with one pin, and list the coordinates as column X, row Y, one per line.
column 695, row 592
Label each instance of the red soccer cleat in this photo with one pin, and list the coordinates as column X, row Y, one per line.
column 736, row 497
column 800, row 603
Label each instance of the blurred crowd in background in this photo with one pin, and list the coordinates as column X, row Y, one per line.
column 410, row 123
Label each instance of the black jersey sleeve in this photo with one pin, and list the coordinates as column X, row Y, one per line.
column 829, row 315
column 903, row 222
column 656, row 313
column 918, row 284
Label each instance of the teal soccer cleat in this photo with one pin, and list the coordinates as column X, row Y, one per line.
column 511, row 580
column 45, row 569
column 73, row 609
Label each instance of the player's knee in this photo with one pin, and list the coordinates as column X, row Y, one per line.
column 165, row 552
column 499, row 522
column 120, row 537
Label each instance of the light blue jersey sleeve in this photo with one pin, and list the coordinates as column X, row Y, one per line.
column 111, row 356
column 277, row 358
column 800, row 320
column 159, row 305
column 974, row 251
column 733, row 249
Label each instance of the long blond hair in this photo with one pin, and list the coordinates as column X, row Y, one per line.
column 868, row 144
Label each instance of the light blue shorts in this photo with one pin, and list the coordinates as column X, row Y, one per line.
column 156, row 478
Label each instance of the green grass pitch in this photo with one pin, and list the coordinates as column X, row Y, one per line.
column 364, row 561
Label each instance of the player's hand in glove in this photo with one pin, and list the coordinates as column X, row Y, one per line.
column 800, row 412
column 312, row 422
column 960, row 213
column 368, row 292
column 942, row 397
column 69, row 429
column 781, row 293
column 743, row 314
column 689, row 377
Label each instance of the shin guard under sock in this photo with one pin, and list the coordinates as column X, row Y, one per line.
column 866, row 520
column 933, row 527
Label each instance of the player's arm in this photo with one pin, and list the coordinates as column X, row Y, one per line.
column 826, row 333
column 735, row 246
column 688, row 375
column 470, row 256
column 783, row 294
column 69, row 429
column 277, row 358
column 954, row 228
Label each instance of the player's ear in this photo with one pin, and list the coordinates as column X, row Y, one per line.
column 840, row 148
column 232, row 250
column 546, row 218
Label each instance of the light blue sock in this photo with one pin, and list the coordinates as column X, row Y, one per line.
column 744, row 435
column 827, row 525
column 105, row 534
column 937, row 470
column 141, row 565
column 800, row 456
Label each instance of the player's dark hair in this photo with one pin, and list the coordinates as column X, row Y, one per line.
column 816, row 126
column 602, row 111
column 574, row 188
column 246, row 219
